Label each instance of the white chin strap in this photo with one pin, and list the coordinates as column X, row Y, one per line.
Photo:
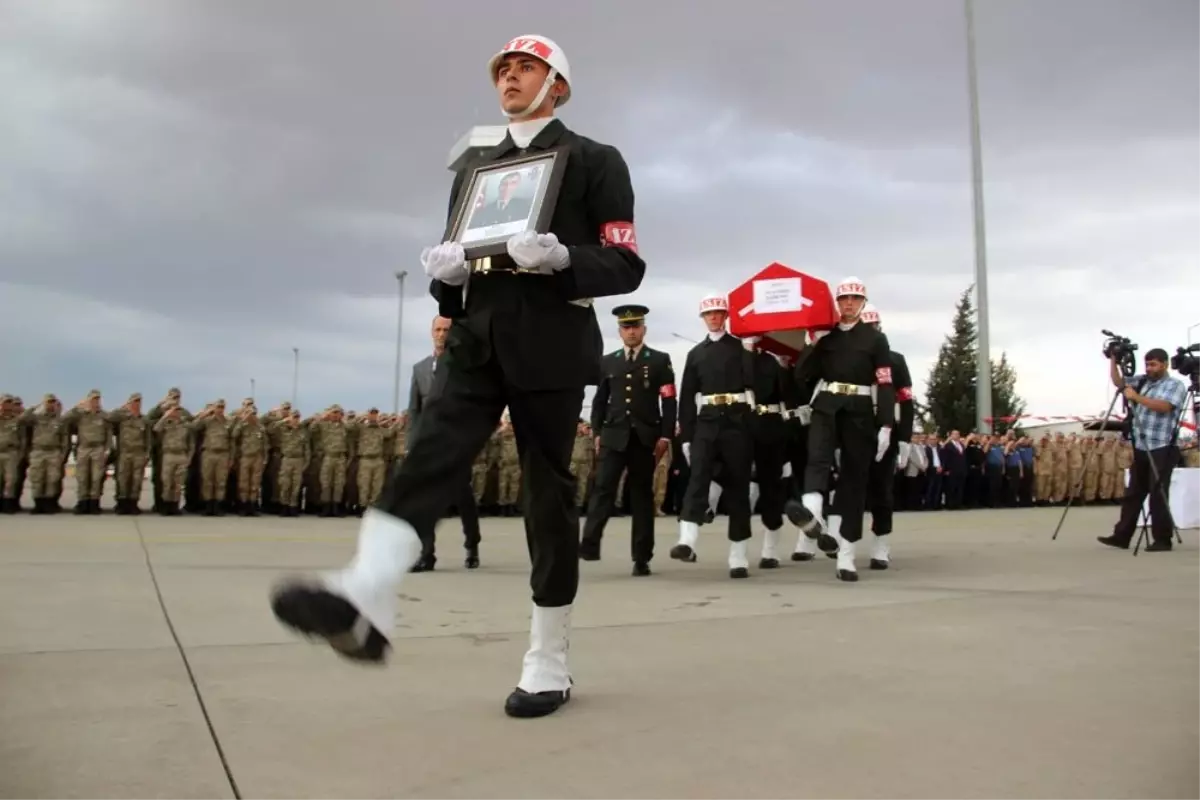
column 551, row 76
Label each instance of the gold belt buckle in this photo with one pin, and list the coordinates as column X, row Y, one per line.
column 720, row 399
column 482, row 266
column 837, row 387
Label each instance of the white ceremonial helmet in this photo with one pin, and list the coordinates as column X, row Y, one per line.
column 546, row 51
column 713, row 302
column 870, row 314
column 851, row 287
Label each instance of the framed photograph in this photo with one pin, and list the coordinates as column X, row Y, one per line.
column 503, row 198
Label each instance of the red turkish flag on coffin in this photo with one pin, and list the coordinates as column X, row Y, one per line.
column 780, row 304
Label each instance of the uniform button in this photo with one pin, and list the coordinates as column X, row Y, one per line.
column 628, row 374
column 627, row 400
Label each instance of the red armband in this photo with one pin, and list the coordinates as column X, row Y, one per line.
column 883, row 376
column 666, row 390
column 619, row 234
column 904, row 395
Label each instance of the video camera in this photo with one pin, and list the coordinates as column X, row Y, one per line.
column 1186, row 364
column 1121, row 350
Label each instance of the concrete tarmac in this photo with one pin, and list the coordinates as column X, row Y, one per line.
column 988, row 662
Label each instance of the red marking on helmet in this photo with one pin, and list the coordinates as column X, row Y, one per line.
column 883, row 376
column 619, row 234
column 666, row 390
column 904, row 395
column 531, row 46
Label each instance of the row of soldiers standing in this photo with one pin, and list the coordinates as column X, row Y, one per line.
column 1066, row 469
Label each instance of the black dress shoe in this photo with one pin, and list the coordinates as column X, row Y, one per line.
column 589, row 550
column 641, row 569
column 768, row 563
column 848, row 575
column 739, row 572
column 1159, row 547
column 526, row 705
column 424, row 564
column 472, row 559
column 316, row 612
column 682, row 552
column 1113, row 541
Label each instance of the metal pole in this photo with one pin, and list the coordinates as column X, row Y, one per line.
column 295, row 373
column 400, row 276
column 983, row 381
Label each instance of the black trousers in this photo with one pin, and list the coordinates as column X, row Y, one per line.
column 995, row 477
column 721, row 436
column 854, row 433
column 1012, row 486
column 1141, row 483
column 770, row 446
column 797, row 455
column 881, row 483
column 468, row 512
column 638, row 459
column 955, row 483
column 455, row 426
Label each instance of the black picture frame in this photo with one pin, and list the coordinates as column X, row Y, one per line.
column 483, row 240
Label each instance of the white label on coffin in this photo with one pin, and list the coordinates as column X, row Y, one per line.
column 777, row 296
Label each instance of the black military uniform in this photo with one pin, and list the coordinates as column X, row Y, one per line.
column 633, row 431
column 839, row 375
column 517, row 339
column 768, row 431
column 881, row 481
column 721, row 371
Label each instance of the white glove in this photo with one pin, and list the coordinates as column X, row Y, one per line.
column 687, row 453
column 446, row 263
column 885, row 439
column 804, row 414
column 540, row 251
column 902, row 455
column 787, row 470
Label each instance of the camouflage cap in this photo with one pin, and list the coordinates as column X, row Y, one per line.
column 136, row 397
column 174, row 390
column 219, row 402
column 372, row 410
column 6, row 398
column 93, row 394
column 47, row 398
column 335, row 407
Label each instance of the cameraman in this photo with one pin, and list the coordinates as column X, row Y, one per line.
column 1157, row 400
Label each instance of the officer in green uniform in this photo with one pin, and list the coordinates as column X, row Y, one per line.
column 633, row 418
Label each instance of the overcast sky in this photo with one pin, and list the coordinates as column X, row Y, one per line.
column 188, row 190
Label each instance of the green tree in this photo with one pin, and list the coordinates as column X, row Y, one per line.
column 951, row 385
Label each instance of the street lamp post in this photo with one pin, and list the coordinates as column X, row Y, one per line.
column 295, row 373
column 983, row 382
column 400, row 276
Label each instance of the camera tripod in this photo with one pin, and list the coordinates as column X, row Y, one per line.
column 1156, row 478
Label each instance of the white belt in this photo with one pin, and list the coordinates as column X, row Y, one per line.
column 723, row 399
column 769, row 408
column 848, row 389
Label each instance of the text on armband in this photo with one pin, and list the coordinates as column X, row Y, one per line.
column 619, row 234
column 883, row 376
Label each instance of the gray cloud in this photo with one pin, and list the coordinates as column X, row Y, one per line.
column 192, row 189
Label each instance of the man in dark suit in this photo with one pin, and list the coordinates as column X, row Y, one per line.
column 525, row 337
column 935, row 473
column 632, row 433
column 505, row 208
column 954, row 460
column 425, row 387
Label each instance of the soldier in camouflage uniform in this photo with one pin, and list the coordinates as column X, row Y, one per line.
column 350, row 500
column 134, row 434
column 1060, row 476
column 662, row 475
column 216, row 430
column 250, row 446
column 171, row 399
column 93, row 446
column 295, row 453
column 270, row 501
column 50, row 444
column 1124, row 464
column 1107, row 456
column 509, row 485
column 1091, row 469
column 1043, row 459
column 312, row 475
column 1074, row 468
column 582, row 456
column 177, row 446
column 334, row 443
column 12, row 451
column 372, row 442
